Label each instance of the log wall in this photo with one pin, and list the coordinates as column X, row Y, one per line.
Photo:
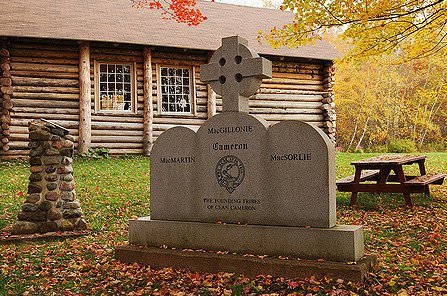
column 193, row 59
column 119, row 132
column 45, row 84
column 328, row 101
column 294, row 92
column 5, row 96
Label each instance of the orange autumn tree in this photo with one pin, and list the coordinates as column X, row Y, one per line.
column 373, row 27
column 182, row 11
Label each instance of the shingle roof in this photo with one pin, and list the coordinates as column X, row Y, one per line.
column 117, row 21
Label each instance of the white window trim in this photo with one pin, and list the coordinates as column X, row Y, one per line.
column 133, row 86
column 192, row 93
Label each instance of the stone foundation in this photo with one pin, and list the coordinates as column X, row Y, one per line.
column 342, row 243
column 51, row 203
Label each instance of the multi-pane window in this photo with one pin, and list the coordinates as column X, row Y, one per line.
column 115, row 87
column 175, row 84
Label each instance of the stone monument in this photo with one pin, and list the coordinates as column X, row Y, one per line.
column 51, row 203
column 240, row 186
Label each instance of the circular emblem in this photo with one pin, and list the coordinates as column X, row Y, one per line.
column 230, row 172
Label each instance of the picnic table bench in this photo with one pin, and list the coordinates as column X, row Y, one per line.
column 378, row 169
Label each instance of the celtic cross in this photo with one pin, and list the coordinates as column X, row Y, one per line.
column 235, row 72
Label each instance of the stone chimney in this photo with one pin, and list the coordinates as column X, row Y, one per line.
column 51, row 203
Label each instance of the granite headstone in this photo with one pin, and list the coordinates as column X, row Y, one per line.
column 238, row 184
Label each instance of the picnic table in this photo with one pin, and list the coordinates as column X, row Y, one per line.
column 378, row 169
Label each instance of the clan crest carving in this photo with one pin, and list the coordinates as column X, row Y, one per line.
column 230, row 172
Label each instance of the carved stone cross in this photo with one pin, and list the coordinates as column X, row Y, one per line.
column 235, row 72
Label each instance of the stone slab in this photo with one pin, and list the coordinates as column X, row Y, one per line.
column 343, row 243
column 236, row 169
column 249, row 266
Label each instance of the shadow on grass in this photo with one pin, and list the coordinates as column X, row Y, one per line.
column 372, row 202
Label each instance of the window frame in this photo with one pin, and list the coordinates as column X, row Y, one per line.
column 133, row 86
column 192, row 92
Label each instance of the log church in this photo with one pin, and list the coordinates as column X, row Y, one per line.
column 117, row 76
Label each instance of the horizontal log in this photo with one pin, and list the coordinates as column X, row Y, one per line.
column 290, row 81
column 40, row 45
column 305, row 76
column 115, row 58
column 46, row 89
column 169, row 62
column 115, row 51
column 263, row 111
column 116, row 126
column 19, row 137
column 164, row 127
column 18, row 145
column 117, row 145
column 302, row 117
column 46, row 103
column 294, row 70
column 114, row 133
column 45, row 60
column 112, row 119
column 290, row 91
column 46, row 96
column 293, row 87
column 175, row 120
column 5, row 140
column 125, row 151
column 45, row 67
column 18, row 52
column 5, row 148
column 5, row 126
column 44, row 81
column 117, row 139
column 296, row 65
column 201, row 111
column 13, row 157
column 24, row 130
column 285, row 104
column 287, row 97
column 37, row 74
column 179, row 56
column 65, row 123
column 43, row 111
column 48, row 116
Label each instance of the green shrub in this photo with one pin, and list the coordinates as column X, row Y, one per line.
column 377, row 149
column 435, row 146
column 96, row 153
column 401, row 146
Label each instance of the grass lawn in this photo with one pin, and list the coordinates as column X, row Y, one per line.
column 410, row 244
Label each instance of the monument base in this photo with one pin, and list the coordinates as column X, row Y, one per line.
column 249, row 266
column 343, row 243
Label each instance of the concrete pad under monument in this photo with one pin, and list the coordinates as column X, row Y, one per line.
column 240, row 185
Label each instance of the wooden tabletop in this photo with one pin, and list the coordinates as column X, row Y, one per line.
column 385, row 160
